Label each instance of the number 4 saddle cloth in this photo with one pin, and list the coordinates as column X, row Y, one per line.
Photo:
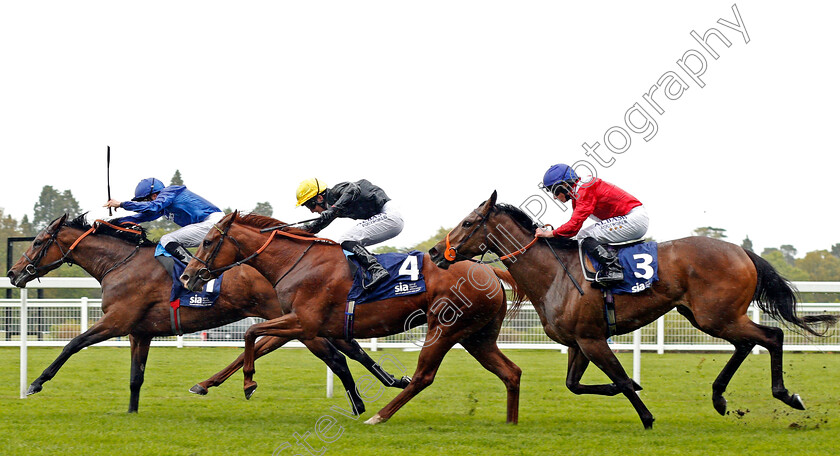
column 406, row 271
column 640, row 264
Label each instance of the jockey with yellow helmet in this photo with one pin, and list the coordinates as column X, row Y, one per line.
column 358, row 200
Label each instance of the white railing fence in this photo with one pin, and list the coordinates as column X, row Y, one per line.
column 27, row 322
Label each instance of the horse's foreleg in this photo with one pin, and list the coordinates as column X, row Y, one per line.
column 352, row 349
column 484, row 349
column 139, row 355
column 577, row 365
column 263, row 347
column 427, row 366
column 101, row 330
column 599, row 352
column 288, row 326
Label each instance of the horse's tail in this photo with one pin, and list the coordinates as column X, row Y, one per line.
column 776, row 295
column 518, row 296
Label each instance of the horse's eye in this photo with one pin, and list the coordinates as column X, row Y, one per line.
column 37, row 243
column 467, row 224
column 207, row 243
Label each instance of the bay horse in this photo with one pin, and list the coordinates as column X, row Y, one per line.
column 710, row 282
column 135, row 300
column 465, row 304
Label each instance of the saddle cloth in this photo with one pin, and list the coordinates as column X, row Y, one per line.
column 180, row 296
column 640, row 264
column 406, row 279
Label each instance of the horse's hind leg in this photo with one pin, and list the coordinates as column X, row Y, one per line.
column 263, row 347
column 427, row 366
column 139, row 355
column 482, row 346
column 742, row 350
column 101, row 330
column 323, row 349
column 352, row 349
column 577, row 365
column 598, row 351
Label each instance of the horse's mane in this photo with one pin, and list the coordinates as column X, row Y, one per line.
column 525, row 221
column 263, row 221
column 81, row 223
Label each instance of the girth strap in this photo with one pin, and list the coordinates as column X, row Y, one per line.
column 175, row 317
column 349, row 313
column 609, row 312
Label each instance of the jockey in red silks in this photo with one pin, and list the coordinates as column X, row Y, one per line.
column 619, row 217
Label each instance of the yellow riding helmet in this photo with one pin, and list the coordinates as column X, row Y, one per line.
column 308, row 189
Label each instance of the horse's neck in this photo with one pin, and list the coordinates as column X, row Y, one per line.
column 282, row 255
column 538, row 271
column 98, row 254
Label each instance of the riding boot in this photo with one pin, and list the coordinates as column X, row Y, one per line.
column 178, row 251
column 611, row 272
column 378, row 274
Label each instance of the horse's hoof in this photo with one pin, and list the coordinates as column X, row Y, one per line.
column 404, row 382
column 720, row 404
column 198, row 389
column 796, row 402
column 375, row 419
column 358, row 409
column 249, row 391
column 33, row 388
column 648, row 423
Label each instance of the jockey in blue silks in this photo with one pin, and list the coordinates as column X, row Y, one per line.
column 193, row 213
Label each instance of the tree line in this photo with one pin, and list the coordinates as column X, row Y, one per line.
column 818, row 265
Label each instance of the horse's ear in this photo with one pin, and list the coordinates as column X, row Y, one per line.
column 228, row 219
column 57, row 222
column 489, row 203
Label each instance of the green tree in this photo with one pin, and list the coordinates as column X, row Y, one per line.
column 263, row 209
column 747, row 244
column 835, row 250
column 820, row 265
column 712, row 232
column 52, row 204
column 176, row 179
column 777, row 259
column 789, row 253
column 422, row 246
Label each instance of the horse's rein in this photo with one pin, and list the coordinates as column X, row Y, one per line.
column 451, row 253
column 206, row 273
column 33, row 268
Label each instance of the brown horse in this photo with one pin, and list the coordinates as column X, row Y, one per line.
column 135, row 299
column 463, row 305
column 710, row 282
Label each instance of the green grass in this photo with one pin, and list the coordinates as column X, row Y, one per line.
column 82, row 410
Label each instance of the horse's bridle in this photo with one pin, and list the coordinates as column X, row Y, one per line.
column 451, row 253
column 33, row 269
column 206, row 273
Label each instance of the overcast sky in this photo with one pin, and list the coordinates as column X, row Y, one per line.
column 437, row 102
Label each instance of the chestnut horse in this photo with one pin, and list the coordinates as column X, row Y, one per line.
column 465, row 305
column 710, row 282
column 135, row 299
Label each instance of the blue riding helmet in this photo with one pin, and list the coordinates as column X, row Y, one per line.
column 559, row 173
column 146, row 187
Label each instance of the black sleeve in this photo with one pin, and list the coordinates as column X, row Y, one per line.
column 350, row 192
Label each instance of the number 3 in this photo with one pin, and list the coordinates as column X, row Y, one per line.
column 643, row 263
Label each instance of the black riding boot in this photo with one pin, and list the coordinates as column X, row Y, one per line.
column 178, row 251
column 378, row 274
column 611, row 272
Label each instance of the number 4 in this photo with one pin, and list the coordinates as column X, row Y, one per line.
column 409, row 268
